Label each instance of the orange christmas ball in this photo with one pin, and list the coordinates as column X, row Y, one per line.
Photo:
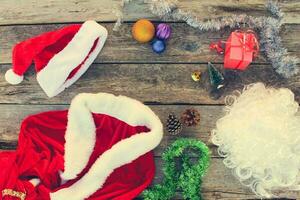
column 143, row 30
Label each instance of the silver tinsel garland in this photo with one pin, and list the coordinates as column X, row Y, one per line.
column 268, row 28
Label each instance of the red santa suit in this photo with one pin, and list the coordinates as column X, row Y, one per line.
column 99, row 149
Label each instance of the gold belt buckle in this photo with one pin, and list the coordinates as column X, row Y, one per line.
column 13, row 193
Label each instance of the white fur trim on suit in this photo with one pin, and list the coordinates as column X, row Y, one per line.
column 13, row 78
column 53, row 77
column 35, row 181
column 81, row 137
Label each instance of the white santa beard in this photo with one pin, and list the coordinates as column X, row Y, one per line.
column 259, row 138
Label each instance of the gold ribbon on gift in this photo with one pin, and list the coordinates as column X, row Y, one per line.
column 13, row 193
column 248, row 44
column 251, row 44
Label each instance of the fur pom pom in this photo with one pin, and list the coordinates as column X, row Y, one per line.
column 13, row 78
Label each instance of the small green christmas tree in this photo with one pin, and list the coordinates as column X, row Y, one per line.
column 216, row 78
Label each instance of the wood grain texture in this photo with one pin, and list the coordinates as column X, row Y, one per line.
column 219, row 182
column 186, row 45
column 16, row 113
column 209, row 115
column 151, row 83
column 54, row 11
column 128, row 68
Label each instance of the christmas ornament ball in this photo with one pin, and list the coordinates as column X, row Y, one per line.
column 196, row 75
column 158, row 46
column 143, row 31
column 163, row 31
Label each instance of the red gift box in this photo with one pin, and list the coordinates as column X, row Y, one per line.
column 241, row 48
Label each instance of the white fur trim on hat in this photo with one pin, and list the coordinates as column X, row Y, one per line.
column 53, row 77
column 13, row 78
column 81, row 132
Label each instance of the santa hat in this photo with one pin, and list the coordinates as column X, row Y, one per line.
column 60, row 56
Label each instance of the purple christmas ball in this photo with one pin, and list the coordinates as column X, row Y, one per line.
column 163, row 31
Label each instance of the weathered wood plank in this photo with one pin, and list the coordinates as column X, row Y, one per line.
column 209, row 115
column 186, row 44
column 218, row 184
column 31, row 12
column 16, row 113
column 158, row 83
column 162, row 83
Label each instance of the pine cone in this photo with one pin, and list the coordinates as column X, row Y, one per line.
column 190, row 117
column 174, row 126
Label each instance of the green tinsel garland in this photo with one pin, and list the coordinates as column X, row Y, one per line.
column 188, row 178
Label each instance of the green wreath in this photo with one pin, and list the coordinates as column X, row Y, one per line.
column 188, row 178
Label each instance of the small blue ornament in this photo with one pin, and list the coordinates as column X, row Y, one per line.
column 158, row 46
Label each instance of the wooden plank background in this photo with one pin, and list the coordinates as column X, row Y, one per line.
column 163, row 81
column 57, row 11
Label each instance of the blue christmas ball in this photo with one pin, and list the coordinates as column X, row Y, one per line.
column 158, row 46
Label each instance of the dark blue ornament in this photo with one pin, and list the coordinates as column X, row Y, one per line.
column 158, row 46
